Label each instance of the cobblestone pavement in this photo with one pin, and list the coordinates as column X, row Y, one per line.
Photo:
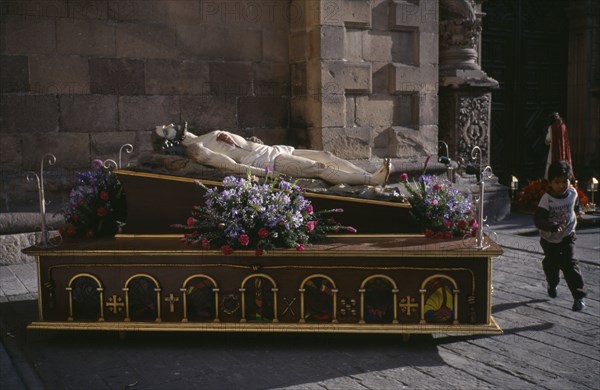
column 544, row 346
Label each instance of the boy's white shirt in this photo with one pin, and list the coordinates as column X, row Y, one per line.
column 560, row 211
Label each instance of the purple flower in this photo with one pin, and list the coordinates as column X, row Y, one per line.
column 439, row 207
column 264, row 215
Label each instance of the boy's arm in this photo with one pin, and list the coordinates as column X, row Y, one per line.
column 540, row 218
column 577, row 208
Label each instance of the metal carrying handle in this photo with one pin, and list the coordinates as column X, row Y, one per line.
column 112, row 164
column 128, row 149
column 30, row 176
column 485, row 172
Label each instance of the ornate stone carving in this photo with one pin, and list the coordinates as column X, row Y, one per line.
column 457, row 9
column 460, row 33
column 473, row 125
column 459, row 40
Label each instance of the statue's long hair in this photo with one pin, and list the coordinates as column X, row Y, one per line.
column 158, row 142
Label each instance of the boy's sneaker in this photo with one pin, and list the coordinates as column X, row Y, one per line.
column 552, row 292
column 578, row 304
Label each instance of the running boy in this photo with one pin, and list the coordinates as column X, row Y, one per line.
column 556, row 217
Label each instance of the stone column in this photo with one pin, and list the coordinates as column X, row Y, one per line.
column 327, row 77
column 364, row 75
column 466, row 96
column 465, row 89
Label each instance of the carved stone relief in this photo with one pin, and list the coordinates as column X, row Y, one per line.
column 473, row 125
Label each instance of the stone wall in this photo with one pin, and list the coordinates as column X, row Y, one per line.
column 365, row 77
column 80, row 78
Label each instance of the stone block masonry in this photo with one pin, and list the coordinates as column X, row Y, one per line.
column 367, row 67
column 80, row 78
column 83, row 77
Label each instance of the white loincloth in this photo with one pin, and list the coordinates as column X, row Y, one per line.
column 264, row 156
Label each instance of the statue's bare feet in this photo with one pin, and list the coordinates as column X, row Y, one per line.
column 381, row 176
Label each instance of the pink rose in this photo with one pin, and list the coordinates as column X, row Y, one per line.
column 71, row 230
column 227, row 250
column 299, row 247
column 191, row 221
column 310, row 226
column 437, row 187
column 258, row 252
column 428, row 233
column 404, row 177
column 205, row 244
column 462, row 224
column 263, row 233
column 309, row 209
column 244, row 239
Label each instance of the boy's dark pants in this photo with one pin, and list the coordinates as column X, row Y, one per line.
column 559, row 257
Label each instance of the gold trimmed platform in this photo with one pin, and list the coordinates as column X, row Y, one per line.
column 403, row 284
column 491, row 328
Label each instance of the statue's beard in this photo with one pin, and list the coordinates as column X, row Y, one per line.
column 173, row 146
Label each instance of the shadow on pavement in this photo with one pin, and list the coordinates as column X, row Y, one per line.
column 511, row 305
column 69, row 359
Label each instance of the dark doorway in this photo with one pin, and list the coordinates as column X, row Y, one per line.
column 524, row 47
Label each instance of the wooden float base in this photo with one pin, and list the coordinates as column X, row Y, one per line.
column 386, row 284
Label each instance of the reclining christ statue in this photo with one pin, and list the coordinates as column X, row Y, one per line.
column 231, row 152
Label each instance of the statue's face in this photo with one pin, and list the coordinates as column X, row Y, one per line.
column 167, row 137
column 167, row 131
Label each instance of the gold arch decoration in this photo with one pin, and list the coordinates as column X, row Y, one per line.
column 274, row 289
column 100, row 289
column 302, row 290
column 157, row 289
column 455, row 292
column 215, row 289
column 362, row 291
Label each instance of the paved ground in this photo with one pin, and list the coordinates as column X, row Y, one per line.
column 544, row 346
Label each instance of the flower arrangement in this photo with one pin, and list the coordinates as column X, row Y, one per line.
column 96, row 203
column 248, row 214
column 531, row 194
column 442, row 210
